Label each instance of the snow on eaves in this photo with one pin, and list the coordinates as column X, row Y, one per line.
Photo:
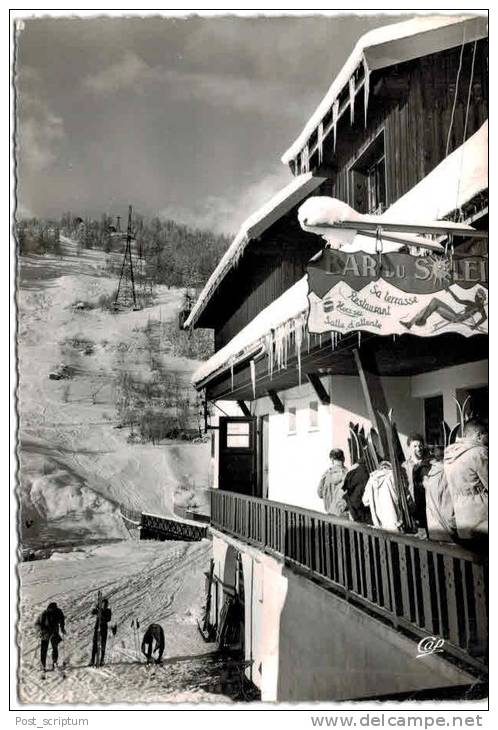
column 380, row 48
column 253, row 227
column 289, row 305
column 454, row 182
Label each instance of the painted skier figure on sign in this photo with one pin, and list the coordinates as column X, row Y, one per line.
column 436, row 306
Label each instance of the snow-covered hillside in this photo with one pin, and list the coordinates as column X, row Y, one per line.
column 76, row 467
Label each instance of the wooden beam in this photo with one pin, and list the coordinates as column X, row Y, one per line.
column 443, row 229
column 319, row 389
column 245, row 410
column 277, row 403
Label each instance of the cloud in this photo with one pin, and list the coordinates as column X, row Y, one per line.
column 230, row 90
column 238, row 92
column 129, row 72
column 223, row 214
column 40, row 130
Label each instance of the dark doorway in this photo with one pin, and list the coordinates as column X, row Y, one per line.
column 237, row 466
column 433, row 418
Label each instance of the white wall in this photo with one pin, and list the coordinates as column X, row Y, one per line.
column 297, row 460
column 307, row 644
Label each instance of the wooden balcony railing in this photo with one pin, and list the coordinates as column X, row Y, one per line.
column 421, row 587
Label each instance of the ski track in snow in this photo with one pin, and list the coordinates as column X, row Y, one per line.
column 160, row 582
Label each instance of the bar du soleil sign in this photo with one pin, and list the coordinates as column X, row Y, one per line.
column 424, row 295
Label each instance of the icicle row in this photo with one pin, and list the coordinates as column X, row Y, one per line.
column 335, row 115
column 351, row 98
column 366, row 87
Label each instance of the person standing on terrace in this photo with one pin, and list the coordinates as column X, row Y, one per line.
column 412, row 469
column 466, row 469
column 331, row 483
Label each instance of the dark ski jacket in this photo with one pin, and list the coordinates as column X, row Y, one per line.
column 354, row 487
column 103, row 618
column 50, row 622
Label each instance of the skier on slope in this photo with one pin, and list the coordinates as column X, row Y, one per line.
column 49, row 623
column 153, row 635
column 103, row 616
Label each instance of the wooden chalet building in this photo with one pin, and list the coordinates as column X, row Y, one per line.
column 334, row 609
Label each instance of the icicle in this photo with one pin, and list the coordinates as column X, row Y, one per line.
column 320, row 143
column 335, row 114
column 231, row 373
column 298, row 341
column 359, row 339
column 366, row 87
column 252, row 365
column 320, row 340
column 351, row 98
column 305, row 159
column 308, row 338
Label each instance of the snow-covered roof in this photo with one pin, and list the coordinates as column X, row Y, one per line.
column 289, row 305
column 252, row 228
column 387, row 46
column 455, row 181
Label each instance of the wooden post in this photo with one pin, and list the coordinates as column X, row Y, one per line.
column 374, row 398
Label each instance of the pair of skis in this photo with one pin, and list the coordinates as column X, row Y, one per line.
column 364, row 448
column 370, row 448
column 398, row 474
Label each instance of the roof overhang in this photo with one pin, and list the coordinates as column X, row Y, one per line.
column 390, row 45
column 252, row 229
column 458, row 179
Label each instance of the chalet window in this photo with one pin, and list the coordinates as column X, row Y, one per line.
column 291, row 423
column 313, row 411
column 237, row 435
column 368, row 179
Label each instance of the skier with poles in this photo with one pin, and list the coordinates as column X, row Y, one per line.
column 103, row 616
column 49, row 623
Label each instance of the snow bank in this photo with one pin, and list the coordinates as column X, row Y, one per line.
column 387, row 46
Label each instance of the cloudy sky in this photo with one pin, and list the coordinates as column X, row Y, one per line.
column 184, row 118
